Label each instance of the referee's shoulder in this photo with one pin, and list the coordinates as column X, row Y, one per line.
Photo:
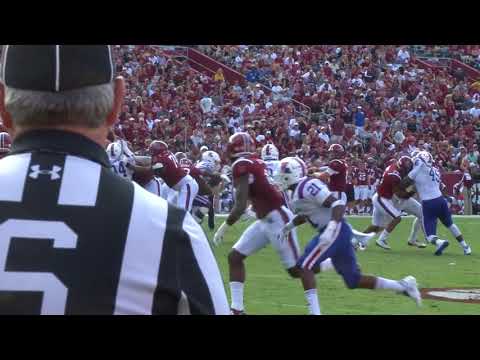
column 156, row 211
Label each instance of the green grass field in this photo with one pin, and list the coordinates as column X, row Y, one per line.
column 270, row 291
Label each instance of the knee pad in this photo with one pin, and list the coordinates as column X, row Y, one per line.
column 455, row 230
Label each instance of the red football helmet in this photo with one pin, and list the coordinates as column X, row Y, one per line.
column 185, row 162
column 5, row 141
column 157, row 147
column 180, row 155
column 404, row 165
column 336, row 151
column 240, row 144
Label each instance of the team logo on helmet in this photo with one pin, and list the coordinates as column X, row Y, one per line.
column 292, row 169
column 185, row 162
column 114, row 151
column 270, row 152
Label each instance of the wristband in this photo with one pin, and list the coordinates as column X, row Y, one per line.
column 336, row 203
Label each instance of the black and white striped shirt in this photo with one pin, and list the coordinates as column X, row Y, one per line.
column 77, row 239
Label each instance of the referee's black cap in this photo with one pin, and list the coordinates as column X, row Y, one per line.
column 56, row 68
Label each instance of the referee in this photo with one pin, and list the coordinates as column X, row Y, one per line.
column 75, row 238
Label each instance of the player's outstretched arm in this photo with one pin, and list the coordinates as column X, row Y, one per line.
column 241, row 197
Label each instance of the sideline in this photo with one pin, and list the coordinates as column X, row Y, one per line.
column 369, row 216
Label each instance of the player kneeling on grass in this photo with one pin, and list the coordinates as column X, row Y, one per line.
column 251, row 182
column 389, row 202
column 313, row 202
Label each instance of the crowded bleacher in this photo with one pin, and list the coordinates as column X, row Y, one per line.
column 374, row 100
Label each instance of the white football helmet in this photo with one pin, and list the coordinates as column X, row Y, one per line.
column 292, row 169
column 114, row 151
column 213, row 159
column 426, row 157
column 270, row 152
column 125, row 149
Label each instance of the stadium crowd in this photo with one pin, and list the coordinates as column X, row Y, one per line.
column 374, row 100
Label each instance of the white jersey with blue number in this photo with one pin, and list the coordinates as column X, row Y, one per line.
column 427, row 180
column 273, row 169
column 120, row 167
column 308, row 199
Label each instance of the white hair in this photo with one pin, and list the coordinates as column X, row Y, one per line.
column 87, row 107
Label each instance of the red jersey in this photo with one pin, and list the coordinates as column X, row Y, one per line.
column 391, row 178
column 193, row 171
column 173, row 172
column 264, row 196
column 338, row 175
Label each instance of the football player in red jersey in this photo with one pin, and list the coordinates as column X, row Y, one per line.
column 164, row 164
column 251, row 182
column 389, row 202
column 336, row 170
column 361, row 184
column 5, row 144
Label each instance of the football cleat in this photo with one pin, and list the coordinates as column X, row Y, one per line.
column 467, row 250
column 411, row 289
column 417, row 243
column 237, row 312
column 441, row 245
column 383, row 244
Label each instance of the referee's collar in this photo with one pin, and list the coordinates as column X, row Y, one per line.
column 58, row 141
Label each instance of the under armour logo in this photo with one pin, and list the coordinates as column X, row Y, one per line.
column 54, row 173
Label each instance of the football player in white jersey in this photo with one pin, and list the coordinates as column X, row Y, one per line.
column 271, row 155
column 313, row 202
column 122, row 164
column 426, row 178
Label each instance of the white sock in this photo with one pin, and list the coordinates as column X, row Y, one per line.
column 463, row 243
column 432, row 239
column 326, row 265
column 388, row 284
column 384, row 235
column 414, row 230
column 312, row 299
column 236, row 291
column 455, row 230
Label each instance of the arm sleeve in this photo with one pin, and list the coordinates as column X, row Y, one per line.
column 331, row 171
column 335, row 167
column 239, row 169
